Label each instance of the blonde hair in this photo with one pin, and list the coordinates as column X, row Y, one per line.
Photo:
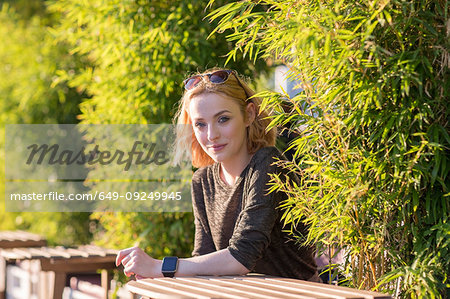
column 235, row 89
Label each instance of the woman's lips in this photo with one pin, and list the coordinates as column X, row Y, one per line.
column 217, row 147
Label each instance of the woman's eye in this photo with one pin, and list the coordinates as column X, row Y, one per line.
column 223, row 119
column 199, row 125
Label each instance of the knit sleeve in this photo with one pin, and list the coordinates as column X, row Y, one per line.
column 203, row 242
column 257, row 219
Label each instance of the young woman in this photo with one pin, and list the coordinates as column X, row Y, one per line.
column 237, row 222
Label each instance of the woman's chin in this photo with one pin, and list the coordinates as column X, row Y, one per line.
column 218, row 158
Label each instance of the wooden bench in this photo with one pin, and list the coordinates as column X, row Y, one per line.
column 53, row 264
column 12, row 239
column 248, row 286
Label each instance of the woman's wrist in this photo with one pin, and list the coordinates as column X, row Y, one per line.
column 154, row 270
column 158, row 265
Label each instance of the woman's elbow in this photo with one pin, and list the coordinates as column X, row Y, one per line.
column 236, row 267
column 242, row 270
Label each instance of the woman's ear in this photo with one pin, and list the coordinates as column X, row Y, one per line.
column 251, row 114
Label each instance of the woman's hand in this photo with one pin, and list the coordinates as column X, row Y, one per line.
column 136, row 261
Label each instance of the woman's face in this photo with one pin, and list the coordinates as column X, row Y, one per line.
column 219, row 126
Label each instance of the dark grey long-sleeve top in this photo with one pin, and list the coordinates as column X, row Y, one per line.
column 245, row 218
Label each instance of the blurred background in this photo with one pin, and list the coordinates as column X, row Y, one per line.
column 120, row 62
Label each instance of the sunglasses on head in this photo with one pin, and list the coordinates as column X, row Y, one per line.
column 217, row 77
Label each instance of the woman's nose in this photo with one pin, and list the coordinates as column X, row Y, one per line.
column 213, row 133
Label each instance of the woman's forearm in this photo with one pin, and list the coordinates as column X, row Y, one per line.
column 137, row 262
column 216, row 263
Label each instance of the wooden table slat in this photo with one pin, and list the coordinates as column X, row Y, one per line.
column 23, row 235
column 183, row 286
column 76, row 252
column 5, row 244
column 9, row 235
column 3, row 234
column 92, row 250
column 42, row 252
column 94, row 253
column 219, row 291
column 59, row 252
column 13, row 239
column 212, row 284
column 215, row 288
column 9, row 255
column 19, row 235
column 306, row 289
column 45, row 252
column 363, row 293
column 22, row 253
column 37, row 252
column 269, row 291
column 95, row 250
column 171, row 290
column 247, row 286
column 110, row 251
column 151, row 292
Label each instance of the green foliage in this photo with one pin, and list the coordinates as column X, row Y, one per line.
column 136, row 55
column 373, row 144
column 27, row 9
column 160, row 234
column 66, row 229
column 29, row 59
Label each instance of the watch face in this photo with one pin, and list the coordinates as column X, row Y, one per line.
column 169, row 264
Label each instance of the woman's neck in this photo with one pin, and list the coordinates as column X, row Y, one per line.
column 230, row 171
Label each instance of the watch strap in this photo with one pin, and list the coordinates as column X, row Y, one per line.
column 169, row 274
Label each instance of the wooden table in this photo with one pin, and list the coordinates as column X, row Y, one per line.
column 55, row 263
column 11, row 239
column 248, row 286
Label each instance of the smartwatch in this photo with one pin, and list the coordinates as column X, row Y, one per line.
column 169, row 266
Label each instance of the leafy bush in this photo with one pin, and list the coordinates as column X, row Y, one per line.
column 136, row 55
column 29, row 59
column 372, row 119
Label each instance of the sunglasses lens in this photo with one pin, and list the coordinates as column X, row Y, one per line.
column 219, row 77
column 192, row 82
column 216, row 78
